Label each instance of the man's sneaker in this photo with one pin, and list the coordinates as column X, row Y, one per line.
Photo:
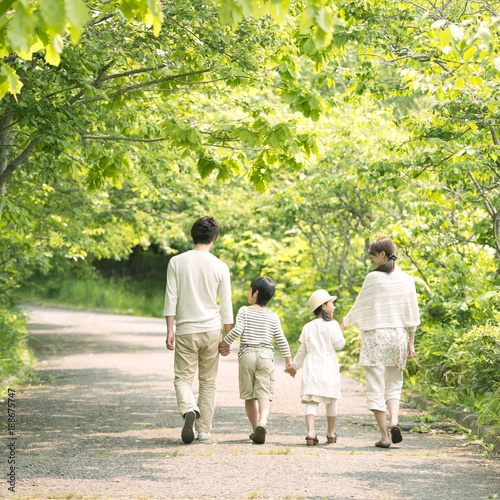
column 259, row 436
column 203, row 436
column 187, row 434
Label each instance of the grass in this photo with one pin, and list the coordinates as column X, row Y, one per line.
column 275, row 451
column 135, row 297
column 173, row 454
column 254, row 494
column 64, row 495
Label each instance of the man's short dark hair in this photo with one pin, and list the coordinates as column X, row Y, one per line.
column 205, row 230
column 265, row 286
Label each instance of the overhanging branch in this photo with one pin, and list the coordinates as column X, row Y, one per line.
column 111, row 138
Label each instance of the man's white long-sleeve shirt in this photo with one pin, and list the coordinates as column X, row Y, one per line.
column 194, row 280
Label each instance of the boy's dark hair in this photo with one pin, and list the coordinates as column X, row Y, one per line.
column 265, row 286
column 205, row 230
column 384, row 244
column 320, row 309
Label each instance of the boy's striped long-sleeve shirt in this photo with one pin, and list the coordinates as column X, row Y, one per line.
column 257, row 328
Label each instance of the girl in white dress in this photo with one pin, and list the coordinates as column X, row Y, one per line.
column 319, row 341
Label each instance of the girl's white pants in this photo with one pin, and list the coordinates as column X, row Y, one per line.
column 331, row 409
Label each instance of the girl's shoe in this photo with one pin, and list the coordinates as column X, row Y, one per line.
column 332, row 439
column 312, row 441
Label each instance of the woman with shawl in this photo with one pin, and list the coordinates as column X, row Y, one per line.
column 386, row 313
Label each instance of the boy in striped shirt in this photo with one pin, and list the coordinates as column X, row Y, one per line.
column 257, row 326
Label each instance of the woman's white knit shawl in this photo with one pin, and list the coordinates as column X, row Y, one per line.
column 385, row 301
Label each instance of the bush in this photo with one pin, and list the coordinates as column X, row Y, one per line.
column 14, row 356
column 461, row 368
column 468, row 359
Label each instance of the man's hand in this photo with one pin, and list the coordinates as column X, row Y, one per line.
column 170, row 341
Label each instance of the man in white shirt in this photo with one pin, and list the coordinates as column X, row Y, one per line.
column 194, row 280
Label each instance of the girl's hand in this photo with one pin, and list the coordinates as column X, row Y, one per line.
column 291, row 371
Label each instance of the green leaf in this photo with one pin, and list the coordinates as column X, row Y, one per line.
column 469, row 53
column 19, row 30
column 446, row 37
column 53, row 14
column 77, row 14
column 487, row 295
column 9, row 81
column 247, row 137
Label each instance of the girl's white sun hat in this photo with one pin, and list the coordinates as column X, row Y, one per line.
column 319, row 297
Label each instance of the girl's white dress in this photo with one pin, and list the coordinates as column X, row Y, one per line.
column 317, row 357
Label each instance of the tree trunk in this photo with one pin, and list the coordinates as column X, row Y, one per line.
column 6, row 138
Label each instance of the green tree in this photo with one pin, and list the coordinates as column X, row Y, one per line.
column 448, row 54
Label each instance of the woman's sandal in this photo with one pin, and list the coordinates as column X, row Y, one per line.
column 396, row 435
column 332, row 439
column 312, row 441
column 380, row 444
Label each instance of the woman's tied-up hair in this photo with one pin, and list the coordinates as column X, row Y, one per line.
column 386, row 245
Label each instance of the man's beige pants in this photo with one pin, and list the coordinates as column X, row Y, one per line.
column 197, row 350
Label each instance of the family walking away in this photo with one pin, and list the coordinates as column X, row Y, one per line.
column 385, row 312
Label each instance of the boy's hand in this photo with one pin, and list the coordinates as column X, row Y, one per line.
column 291, row 371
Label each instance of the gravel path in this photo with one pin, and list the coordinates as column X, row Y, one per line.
column 101, row 422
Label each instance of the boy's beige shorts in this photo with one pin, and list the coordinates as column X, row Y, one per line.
column 256, row 375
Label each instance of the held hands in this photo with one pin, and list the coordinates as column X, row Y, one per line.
column 224, row 349
column 291, row 371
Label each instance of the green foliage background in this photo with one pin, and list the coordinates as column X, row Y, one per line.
column 307, row 132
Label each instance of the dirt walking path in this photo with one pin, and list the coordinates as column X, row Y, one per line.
column 102, row 422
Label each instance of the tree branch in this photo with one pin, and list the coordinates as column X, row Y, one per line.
column 4, row 176
column 128, row 139
column 138, row 86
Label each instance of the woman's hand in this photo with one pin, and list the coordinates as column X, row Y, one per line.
column 411, row 350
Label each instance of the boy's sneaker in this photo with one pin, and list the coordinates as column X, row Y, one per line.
column 187, row 433
column 203, row 436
